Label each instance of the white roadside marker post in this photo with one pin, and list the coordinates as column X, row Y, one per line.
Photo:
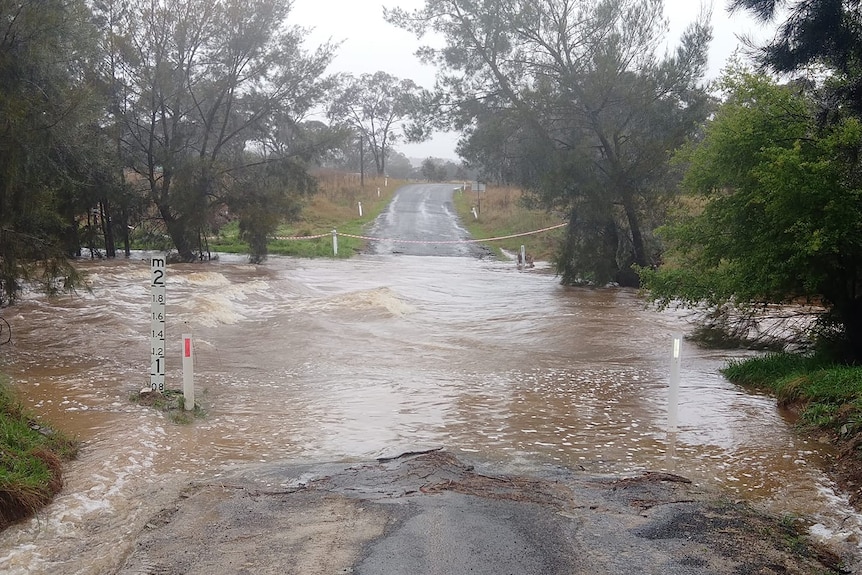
column 673, row 390
column 188, row 373
column 157, row 325
column 360, row 209
column 334, row 243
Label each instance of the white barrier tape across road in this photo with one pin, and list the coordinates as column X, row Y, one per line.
column 468, row 241
column 317, row 237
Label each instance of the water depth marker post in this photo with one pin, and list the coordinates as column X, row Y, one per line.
column 157, row 324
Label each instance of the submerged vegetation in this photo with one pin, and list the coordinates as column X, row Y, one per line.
column 31, row 462
column 171, row 402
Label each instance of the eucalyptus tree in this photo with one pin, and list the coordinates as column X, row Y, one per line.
column 47, row 113
column 206, row 88
column 571, row 99
column 376, row 106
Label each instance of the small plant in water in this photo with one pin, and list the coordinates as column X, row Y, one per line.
column 171, row 402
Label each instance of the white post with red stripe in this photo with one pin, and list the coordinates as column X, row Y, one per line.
column 188, row 373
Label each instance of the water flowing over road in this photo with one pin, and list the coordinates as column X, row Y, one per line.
column 341, row 360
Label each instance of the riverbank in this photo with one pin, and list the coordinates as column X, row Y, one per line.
column 827, row 399
column 31, row 460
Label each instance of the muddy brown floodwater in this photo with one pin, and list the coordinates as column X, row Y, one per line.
column 325, row 360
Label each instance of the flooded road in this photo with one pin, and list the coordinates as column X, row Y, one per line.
column 327, row 360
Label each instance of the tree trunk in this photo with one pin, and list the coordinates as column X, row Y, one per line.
column 177, row 229
column 108, row 229
column 124, row 231
column 640, row 255
column 362, row 161
column 852, row 319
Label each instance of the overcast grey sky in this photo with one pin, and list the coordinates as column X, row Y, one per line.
column 369, row 43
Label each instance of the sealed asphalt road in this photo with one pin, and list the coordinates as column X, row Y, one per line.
column 433, row 514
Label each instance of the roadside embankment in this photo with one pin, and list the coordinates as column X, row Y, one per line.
column 827, row 398
column 430, row 512
column 31, row 460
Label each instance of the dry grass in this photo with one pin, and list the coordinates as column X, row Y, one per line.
column 334, row 206
column 502, row 213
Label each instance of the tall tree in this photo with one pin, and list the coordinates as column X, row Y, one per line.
column 377, row 106
column 827, row 33
column 46, row 115
column 569, row 99
column 206, row 84
column 780, row 213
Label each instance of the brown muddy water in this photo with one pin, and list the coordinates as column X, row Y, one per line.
column 322, row 360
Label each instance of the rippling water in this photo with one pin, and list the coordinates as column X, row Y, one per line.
column 343, row 360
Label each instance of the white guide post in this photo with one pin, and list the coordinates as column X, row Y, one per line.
column 334, row 243
column 157, row 324
column 188, row 372
column 360, row 209
column 378, row 192
column 673, row 390
column 523, row 256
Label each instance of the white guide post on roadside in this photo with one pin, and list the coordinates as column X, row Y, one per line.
column 334, row 243
column 157, row 324
column 673, row 390
column 188, row 373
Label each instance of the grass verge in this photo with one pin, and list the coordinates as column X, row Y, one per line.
column 31, row 460
column 828, row 398
column 502, row 213
column 334, row 206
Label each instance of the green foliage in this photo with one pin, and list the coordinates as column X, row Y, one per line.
column 822, row 33
column 271, row 194
column 431, row 171
column 572, row 102
column 764, row 371
column 30, row 460
column 780, row 213
column 376, row 106
column 46, row 115
column 201, row 85
column 319, row 214
column 830, row 395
